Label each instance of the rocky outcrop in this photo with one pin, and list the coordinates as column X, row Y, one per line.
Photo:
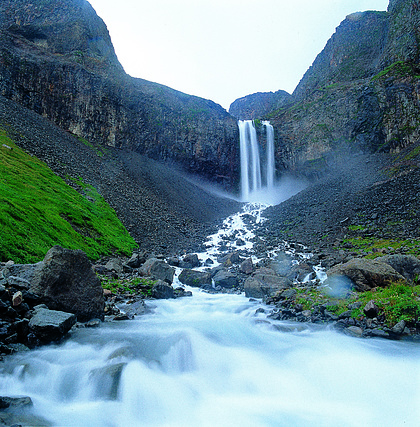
column 57, row 59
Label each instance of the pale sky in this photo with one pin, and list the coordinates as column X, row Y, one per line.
column 223, row 49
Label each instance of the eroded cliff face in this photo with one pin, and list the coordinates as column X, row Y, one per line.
column 361, row 92
column 56, row 58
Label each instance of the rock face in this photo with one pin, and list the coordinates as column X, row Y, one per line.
column 361, row 92
column 67, row 282
column 56, row 58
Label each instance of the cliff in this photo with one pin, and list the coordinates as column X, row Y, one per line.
column 259, row 105
column 360, row 94
column 57, row 59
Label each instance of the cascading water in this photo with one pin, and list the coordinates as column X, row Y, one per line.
column 255, row 175
column 216, row 360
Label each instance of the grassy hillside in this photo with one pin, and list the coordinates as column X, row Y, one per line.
column 39, row 210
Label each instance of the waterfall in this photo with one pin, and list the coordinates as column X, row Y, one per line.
column 255, row 175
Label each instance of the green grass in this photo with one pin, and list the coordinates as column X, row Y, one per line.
column 39, row 210
column 396, row 302
column 369, row 244
column 399, row 68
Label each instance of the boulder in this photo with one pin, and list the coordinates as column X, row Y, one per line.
column 66, row 282
column 115, row 265
column 136, row 260
column 371, row 310
column 407, row 265
column 230, row 259
column 25, row 272
column 161, row 290
column 190, row 261
column 225, row 279
column 247, row 266
column 366, row 273
column 265, row 283
column 158, row 269
column 194, row 278
column 51, row 325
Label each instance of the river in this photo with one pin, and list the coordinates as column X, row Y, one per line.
column 209, row 360
column 217, row 360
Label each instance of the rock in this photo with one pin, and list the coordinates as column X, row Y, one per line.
column 15, row 402
column 194, row 278
column 371, row 310
column 66, row 282
column 136, row 260
column 137, row 308
column 264, row 283
column 366, row 273
column 398, row 329
column 158, row 269
column 225, row 279
column 17, row 299
column 247, row 266
column 106, row 381
column 161, row 290
column 174, row 261
column 190, row 261
column 51, row 325
column 115, row 265
column 406, row 265
column 354, row 331
column 229, row 259
column 18, row 283
column 24, row 272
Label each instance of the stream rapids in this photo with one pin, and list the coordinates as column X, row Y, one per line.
column 217, row 360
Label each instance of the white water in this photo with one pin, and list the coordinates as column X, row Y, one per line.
column 252, row 177
column 209, row 361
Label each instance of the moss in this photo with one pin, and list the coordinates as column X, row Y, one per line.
column 138, row 285
column 39, row 210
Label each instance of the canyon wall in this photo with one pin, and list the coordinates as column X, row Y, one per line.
column 56, row 58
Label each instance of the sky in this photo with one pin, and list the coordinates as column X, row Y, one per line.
column 223, row 49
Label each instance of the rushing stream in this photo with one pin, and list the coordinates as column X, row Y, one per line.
column 210, row 361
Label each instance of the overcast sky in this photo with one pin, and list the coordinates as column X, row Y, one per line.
column 223, row 49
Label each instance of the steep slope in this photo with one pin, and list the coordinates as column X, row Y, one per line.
column 57, row 59
column 161, row 209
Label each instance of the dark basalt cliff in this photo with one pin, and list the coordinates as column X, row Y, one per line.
column 361, row 93
column 56, row 58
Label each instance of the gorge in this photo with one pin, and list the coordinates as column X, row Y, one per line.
column 331, row 178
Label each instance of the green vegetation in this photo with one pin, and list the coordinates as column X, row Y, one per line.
column 100, row 151
column 399, row 68
column 396, row 302
column 39, row 210
column 374, row 245
column 131, row 286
